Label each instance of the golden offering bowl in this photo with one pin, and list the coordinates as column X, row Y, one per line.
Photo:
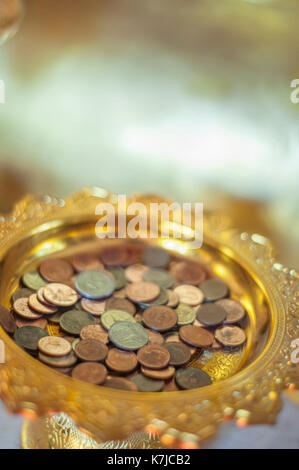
column 64, row 413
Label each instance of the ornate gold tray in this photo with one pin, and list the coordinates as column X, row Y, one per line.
column 246, row 385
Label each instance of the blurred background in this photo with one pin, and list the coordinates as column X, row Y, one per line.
column 189, row 99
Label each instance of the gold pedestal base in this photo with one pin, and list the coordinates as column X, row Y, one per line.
column 59, row 432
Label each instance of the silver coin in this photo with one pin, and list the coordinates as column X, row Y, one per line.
column 95, row 284
column 128, row 336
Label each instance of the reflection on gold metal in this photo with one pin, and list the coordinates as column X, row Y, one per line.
column 246, row 385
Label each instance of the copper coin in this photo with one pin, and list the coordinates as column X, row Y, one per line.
column 22, row 308
column 133, row 252
column 86, row 262
column 91, row 372
column 62, row 370
column 91, row 350
column 56, row 270
column 196, row 336
column 145, row 384
column 171, row 386
column 175, row 338
column 142, row 291
column 60, row 295
column 54, row 346
column 214, row 289
column 189, row 295
column 153, row 356
column 45, row 309
column 189, row 272
column 40, row 322
column 191, row 377
column 156, row 257
column 120, row 294
column 179, row 353
column 211, row 314
column 7, row 320
column 20, row 293
column 230, row 336
column 235, row 311
column 160, row 318
column 120, row 384
column 121, row 304
column 94, row 332
column 96, row 307
column 114, row 255
column 161, row 374
column 135, row 272
column 173, row 298
column 121, row 361
column 155, row 337
column 64, row 361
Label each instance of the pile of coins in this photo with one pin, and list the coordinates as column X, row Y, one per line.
column 130, row 316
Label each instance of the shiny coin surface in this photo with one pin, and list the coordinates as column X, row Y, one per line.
column 96, row 307
column 73, row 321
column 214, row 289
column 235, row 311
column 156, row 257
column 160, row 318
column 159, row 276
column 173, row 299
column 63, row 361
column 136, row 272
column 54, row 346
column 91, row 350
column 94, row 332
column 114, row 255
column 231, row 336
column 40, row 322
column 56, row 270
column 119, row 276
column 21, row 293
column 112, row 316
column 28, row 337
column 179, row 353
column 155, row 337
column 22, row 308
column 121, row 384
column 162, row 374
column 196, row 336
column 91, row 372
column 7, row 320
column 121, row 361
column 189, row 295
column 189, row 273
column 33, row 280
column 60, row 295
column 121, row 304
column 153, row 356
column 191, row 377
column 142, row 291
column 211, row 314
column 145, row 384
column 186, row 314
column 86, row 262
column 128, row 336
column 44, row 308
column 95, row 284
column 162, row 299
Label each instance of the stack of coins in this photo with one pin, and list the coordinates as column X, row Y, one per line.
column 130, row 316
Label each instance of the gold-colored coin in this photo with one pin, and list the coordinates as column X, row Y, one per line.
column 54, row 346
column 189, row 295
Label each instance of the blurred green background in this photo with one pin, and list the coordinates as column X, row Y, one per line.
column 189, row 99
